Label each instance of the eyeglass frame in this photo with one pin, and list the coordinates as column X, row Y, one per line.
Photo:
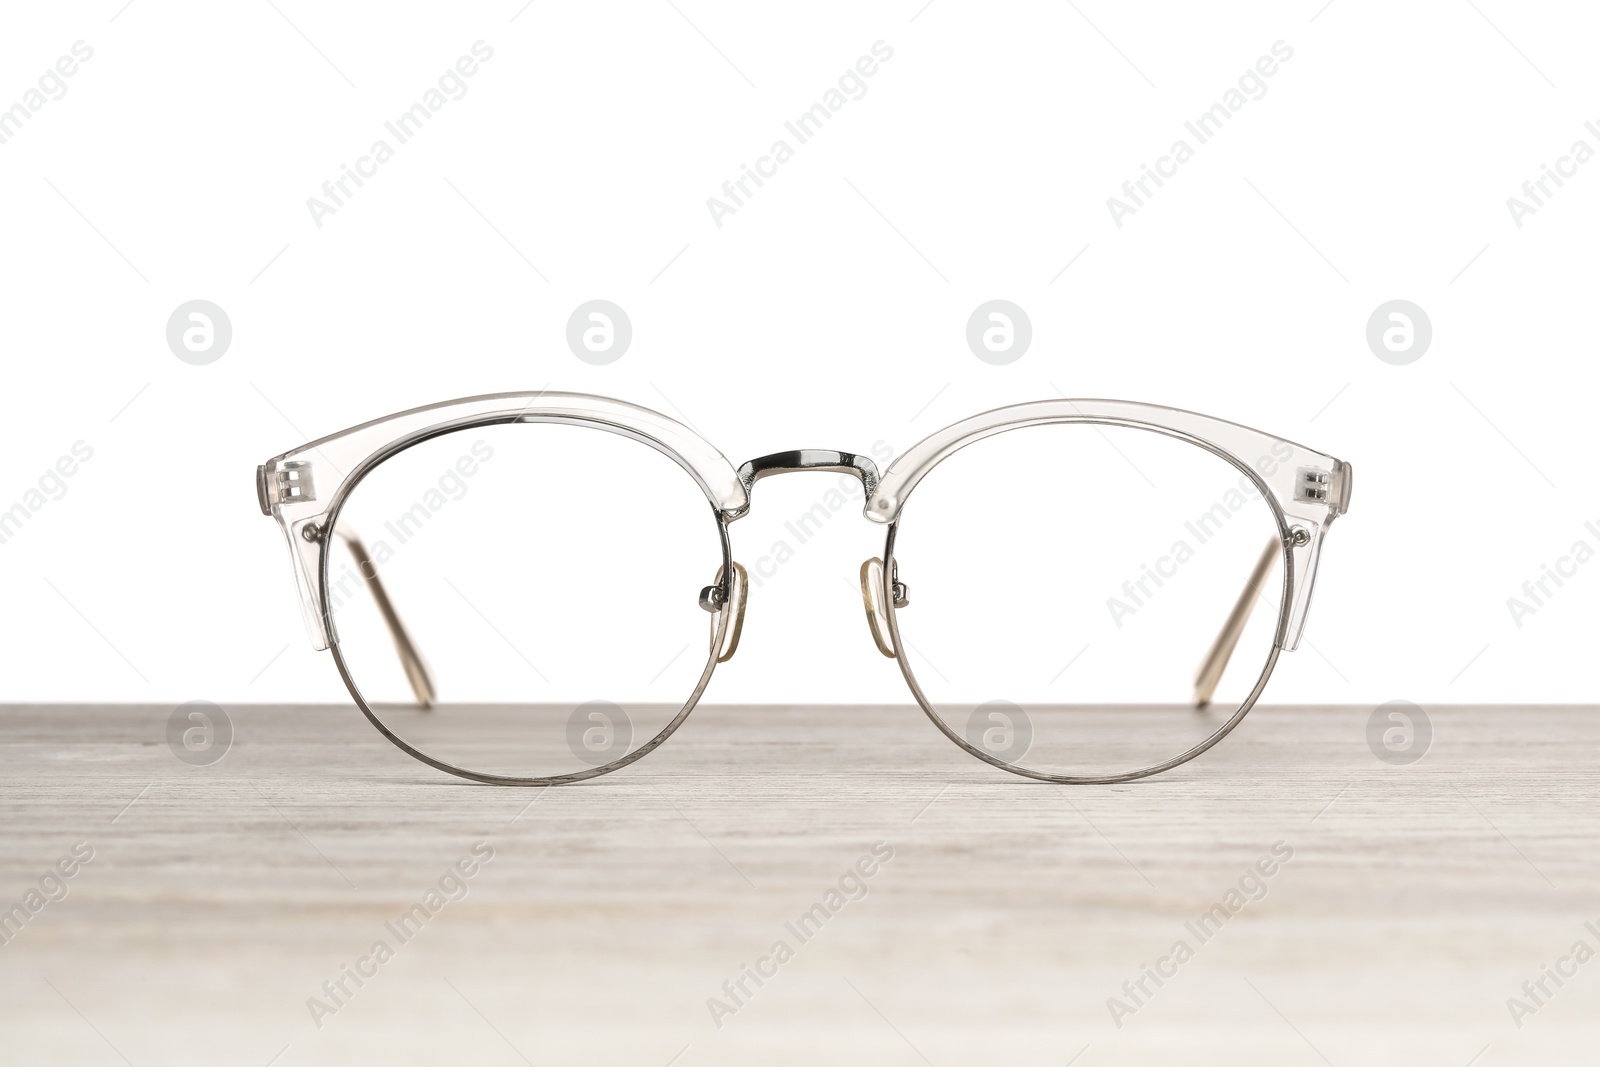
column 305, row 489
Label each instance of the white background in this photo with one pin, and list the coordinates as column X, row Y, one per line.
column 828, row 312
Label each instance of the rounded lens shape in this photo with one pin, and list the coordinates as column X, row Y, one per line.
column 1068, row 584
column 522, row 600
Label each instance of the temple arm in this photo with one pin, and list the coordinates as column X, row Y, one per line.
column 1216, row 661
column 410, row 659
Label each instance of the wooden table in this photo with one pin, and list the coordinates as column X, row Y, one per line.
column 220, row 898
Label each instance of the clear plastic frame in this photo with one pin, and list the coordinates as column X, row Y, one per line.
column 1056, row 475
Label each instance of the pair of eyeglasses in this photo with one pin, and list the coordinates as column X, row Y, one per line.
column 516, row 587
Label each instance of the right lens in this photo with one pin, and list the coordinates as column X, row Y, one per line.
column 538, row 582
column 1068, row 581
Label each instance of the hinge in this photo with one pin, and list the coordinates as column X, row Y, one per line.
column 288, row 483
column 1312, row 484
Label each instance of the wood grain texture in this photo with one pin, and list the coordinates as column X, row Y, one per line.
column 1418, row 900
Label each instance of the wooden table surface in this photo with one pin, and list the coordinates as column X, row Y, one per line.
column 219, row 899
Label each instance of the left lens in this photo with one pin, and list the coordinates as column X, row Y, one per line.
column 1067, row 584
column 547, row 578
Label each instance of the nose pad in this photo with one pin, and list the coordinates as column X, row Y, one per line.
column 716, row 599
column 872, row 600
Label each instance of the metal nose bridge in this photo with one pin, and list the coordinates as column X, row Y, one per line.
column 810, row 459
